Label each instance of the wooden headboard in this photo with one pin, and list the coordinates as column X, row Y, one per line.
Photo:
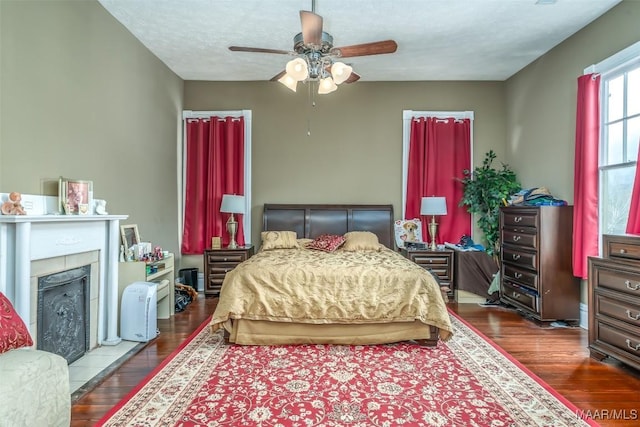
column 310, row 221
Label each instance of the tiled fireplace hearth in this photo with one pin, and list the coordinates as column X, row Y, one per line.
column 33, row 246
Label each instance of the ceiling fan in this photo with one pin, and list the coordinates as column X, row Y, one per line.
column 316, row 59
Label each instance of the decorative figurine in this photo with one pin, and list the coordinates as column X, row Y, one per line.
column 13, row 206
column 101, row 207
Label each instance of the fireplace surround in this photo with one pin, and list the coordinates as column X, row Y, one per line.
column 34, row 245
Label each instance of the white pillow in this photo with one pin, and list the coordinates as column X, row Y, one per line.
column 408, row 230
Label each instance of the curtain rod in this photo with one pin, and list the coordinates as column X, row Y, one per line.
column 410, row 114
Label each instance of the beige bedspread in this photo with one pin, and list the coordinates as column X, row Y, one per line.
column 315, row 287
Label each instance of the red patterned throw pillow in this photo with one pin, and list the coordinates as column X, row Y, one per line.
column 13, row 331
column 327, row 242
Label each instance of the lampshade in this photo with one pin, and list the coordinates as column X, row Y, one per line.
column 297, row 69
column 340, row 72
column 313, row 66
column 433, row 206
column 289, row 81
column 326, row 85
column 232, row 204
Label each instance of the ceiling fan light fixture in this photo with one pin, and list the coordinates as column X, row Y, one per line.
column 340, row 72
column 289, row 81
column 297, row 69
column 327, row 85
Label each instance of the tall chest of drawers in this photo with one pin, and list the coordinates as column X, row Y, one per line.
column 536, row 274
column 614, row 300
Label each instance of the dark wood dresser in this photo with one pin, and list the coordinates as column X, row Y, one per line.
column 218, row 262
column 536, row 273
column 440, row 263
column 614, row 300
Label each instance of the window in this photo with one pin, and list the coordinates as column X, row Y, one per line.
column 437, row 148
column 620, row 136
column 206, row 223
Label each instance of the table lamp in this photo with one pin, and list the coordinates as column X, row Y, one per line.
column 433, row 206
column 232, row 204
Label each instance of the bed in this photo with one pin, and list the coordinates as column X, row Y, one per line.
column 365, row 292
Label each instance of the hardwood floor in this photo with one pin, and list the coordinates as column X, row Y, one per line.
column 608, row 391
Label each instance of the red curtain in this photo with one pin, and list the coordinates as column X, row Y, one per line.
column 633, row 223
column 214, row 166
column 585, row 189
column 439, row 150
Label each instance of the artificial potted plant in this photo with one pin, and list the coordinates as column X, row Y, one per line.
column 485, row 190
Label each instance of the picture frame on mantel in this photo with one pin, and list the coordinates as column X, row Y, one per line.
column 75, row 196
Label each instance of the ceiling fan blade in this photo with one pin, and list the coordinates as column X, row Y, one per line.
column 311, row 27
column 277, row 76
column 374, row 48
column 354, row 77
column 257, row 49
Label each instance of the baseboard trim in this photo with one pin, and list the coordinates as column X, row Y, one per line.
column 468, row 297
column 584, row 316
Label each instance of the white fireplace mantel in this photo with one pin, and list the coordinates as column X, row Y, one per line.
column 27, row 238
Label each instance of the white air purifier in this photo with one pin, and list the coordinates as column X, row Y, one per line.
column 139, row 312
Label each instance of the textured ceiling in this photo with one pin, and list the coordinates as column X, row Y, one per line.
column 437, row 39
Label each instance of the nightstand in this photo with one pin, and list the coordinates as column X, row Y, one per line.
column 439, row 262
column 218, row 262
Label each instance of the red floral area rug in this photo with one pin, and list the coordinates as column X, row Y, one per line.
column 464, row 382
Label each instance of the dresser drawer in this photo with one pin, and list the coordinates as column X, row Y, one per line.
column 518, row 295
column 621, row 310
column 612, row 277
column 623, row 248
column 623, row 340
column 520, row 237
column 516, row 257
column 521, row 276
column 522, row 218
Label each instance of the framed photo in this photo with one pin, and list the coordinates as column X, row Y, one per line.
column 76, row 196
column 130, row 235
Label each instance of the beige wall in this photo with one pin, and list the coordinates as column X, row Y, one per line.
column 541, row 101
column 82, row 98
column 354, row 152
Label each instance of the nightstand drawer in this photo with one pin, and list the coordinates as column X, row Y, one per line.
column 429, row 260
column 236, row 257
column 444, row 273
column 221, row 268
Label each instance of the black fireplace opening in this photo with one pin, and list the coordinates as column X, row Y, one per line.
column 64, row 313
